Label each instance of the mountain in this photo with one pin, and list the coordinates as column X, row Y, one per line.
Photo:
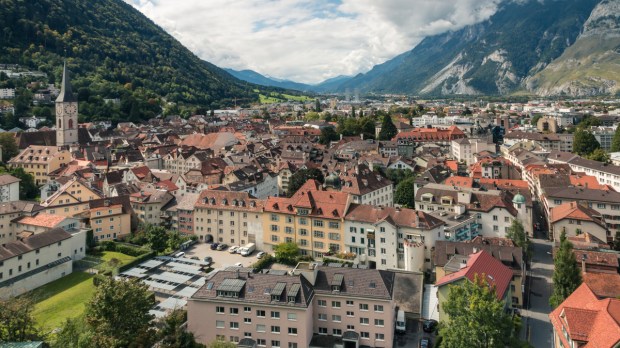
column 496, row 56
column 113, row 51
column 256, row 78
column 330, row 84
column 591, row 66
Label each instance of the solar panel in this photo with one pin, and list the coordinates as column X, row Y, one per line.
column 278, row 289
column 234, row 285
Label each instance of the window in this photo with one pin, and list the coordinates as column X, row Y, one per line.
column 365, row 334
column 234, row 325
column 350, row 327
column 506, row 219
column 318, row 223
column 247, row 309
column 322, row 316
column 219, row 324
column 494, row 217
column 303, row 221
column 379, row 336
column 292, row 331
column 364, row 306
column 275, row 315
column 275, row 329
column 557, row 201
column 379, row 322
column 247, row 334
column 350, row 313
column 601, row 205
column 292, row 345
column 495, row 228
column 220, row 310
column 274, row 238
column 274, row 228
column 260, row 313
column 261, row 342
column 318, row 245
column 322, row 303
column 234, row 311
column 247, row 320
column 335, row 304
column 334, row 236
column 319, row 234
column 336, row 318
column 274, row 217
column 275, row 344
column 334, row 225
column 364, row 321
column 349, row 303
column 291, row 316
column 337, row 332
column 378, row 308
column 303, row 232
column 260, row 328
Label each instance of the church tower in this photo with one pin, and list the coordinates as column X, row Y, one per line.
column 66, row 113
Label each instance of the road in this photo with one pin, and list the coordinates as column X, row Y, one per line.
column 536, row 315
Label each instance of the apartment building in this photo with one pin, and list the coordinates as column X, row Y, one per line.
column 606, row 174
column 464, row 149
column 575, row 219
column 494, row 210
column 312, row 218
column 9, row 188
column 41, row 222
column 558, row 142
column 73, row 191
column 229, row 217
column 501, row 249
column 391, row 238
column 181, row 211
column 9, row 211
column 606, row 203
column 36, row 259
column 39, row 161
column 365, row 186
column 343, row 305
column 148, row 205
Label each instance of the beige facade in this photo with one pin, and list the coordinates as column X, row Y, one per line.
column 148, row 203
column 109, row 222
column 574, row 227
column 10, row 211
column 39, row 161
column 228, row 217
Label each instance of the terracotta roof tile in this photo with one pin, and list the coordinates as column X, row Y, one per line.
column 42, row 220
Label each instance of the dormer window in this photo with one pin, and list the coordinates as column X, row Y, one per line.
column 337, row 281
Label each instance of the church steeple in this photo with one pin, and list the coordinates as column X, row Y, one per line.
column 66, row 93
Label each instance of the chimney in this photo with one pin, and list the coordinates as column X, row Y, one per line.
column 584, row 257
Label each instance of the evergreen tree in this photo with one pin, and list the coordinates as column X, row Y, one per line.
column 328, row 134
column 317, row 105
column 388, row 129
column 299, row 178
column 9, row 146
column 567, row 275
column 615, row 143
column 353, row 111
column 516, row 232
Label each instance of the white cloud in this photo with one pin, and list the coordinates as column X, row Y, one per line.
column 305, row 40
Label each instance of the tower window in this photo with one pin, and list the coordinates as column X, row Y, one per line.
column 70, row 124
column 59, row 123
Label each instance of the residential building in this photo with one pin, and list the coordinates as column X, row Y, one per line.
column 148, row 205
column 584, row 320
column 9, row 188
column 558, row 142
column 440, row 136
column 312, row 218
column 364, row 186
column 229, row 217
column 41, row 222
column 7, row 93
column 464, row 149
column 606, row 174
column 391, row 238
column 37, row 259
column 574, row 219
column 9, row 211
column 40, row 161
column 73, row 190
column 347, row 306
column 463, row 268
column 501, row 249
column 181, row 210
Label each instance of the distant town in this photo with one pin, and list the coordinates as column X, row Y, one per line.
column 326, row 221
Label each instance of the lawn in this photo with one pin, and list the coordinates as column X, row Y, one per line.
column 62, row 299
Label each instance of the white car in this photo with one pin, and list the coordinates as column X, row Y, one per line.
column 239, row 264
column 233, row 249
column 260, row 255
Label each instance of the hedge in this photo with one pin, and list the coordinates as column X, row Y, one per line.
column 265, row 262
column 126, row 249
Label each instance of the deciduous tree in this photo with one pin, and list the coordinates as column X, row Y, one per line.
column 404, row 194
column 157, row 237
column 516, row 232
column 173, row 335
column 328, row 134
column 566, row 275
column 584, row 142
column 476, row 318
column 286, row 253
column 9, row 146
column 16, row 321
column 299, row 178
column 615, row 143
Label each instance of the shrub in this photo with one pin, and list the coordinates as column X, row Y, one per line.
column 263, row 263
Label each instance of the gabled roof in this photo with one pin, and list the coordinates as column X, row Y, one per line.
column 33, row 242
column 326, row 204
column 484, row 265
column 401, row 217
column 575, row 211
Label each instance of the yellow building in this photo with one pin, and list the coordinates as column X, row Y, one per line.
column 39, row 161
column 311, row 218
column 73, row 191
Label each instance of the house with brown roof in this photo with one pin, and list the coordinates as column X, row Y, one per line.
column 390, row 238
column 39, row 161
column 584, row 320
column 9, row 211
column 461, row 268
column 574, row 219
column 148, row 204
column 364, row 186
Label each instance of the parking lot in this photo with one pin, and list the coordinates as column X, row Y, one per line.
column 411, row 338
column 221, row 259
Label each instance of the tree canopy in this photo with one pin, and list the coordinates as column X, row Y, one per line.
column 328, row 134
column 615, row 143
column 9, row 146
column 516, row 232
column 299, row 178
column 566, row 275
column 477, row 319
column 287, row 253
column 584, row 142
column 17, row 323
column 404, row 193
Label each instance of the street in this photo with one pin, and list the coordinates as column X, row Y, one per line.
column 536, row 315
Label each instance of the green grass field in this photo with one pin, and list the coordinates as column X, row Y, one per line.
column 280, row 98
column 62, row 299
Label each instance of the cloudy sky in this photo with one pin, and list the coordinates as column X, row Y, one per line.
column 308, row 40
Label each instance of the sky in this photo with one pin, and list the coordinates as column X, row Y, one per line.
column 308, row 40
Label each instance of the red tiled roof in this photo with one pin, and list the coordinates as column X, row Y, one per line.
column 483, row 264
column 43, row 220
column 397, row 216
column 603, row 285
column 574, row 211
column 587, row 318
column 460, row 181
column 431, row 134
column 326, row 204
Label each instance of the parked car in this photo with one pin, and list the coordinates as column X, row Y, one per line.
column 425, row 343
column 179, row 254
column 195, row 258
column 214, row 246
column 222, row 246
column 260, row 254
column 239, row 264
column 208, row 259
column 429, row 325
column 233, row 249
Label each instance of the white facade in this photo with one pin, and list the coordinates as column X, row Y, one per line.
column 9, row 192
column 7, row 93
column 465, row 149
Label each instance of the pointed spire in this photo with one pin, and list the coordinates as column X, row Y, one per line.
column 66, row 93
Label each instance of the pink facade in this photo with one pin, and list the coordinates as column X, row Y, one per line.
column 186, row 221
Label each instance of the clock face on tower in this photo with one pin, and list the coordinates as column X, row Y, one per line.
column 71, row 109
